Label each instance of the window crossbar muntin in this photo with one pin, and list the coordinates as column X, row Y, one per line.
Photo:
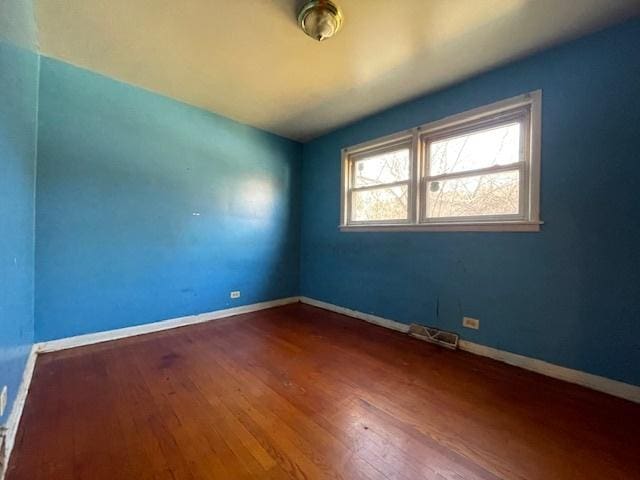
column 523, row 110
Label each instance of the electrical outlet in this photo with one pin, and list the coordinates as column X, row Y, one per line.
column 3, row 400
column 471, row 323
column 235, row 294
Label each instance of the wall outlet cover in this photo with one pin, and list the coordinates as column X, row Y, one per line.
column 235, row 294
column 469, row 322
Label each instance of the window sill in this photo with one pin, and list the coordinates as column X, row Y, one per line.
column 448, row 227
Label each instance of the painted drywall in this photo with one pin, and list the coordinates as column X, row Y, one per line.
column 18, row 24
column 18, row 110
column 570, row 294
column 150, row 209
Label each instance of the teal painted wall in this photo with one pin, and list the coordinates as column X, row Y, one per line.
column 569, row 294
column 18, row 24
column 18, row 110
column 150, row 209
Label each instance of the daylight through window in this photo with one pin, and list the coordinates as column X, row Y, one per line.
column 475, row 171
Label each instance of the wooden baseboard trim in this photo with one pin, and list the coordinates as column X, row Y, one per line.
column 595, row 382
column 91, row 338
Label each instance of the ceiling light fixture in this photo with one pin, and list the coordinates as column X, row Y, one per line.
column 320, row 19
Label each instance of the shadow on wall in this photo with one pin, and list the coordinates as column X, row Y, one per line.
column 18, row 107
column 150, row 209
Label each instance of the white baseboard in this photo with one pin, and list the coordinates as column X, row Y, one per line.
column 595, row 382
column 91, row 338
column 383, row 322
column 18, row 406
column 589, row 380
column 81, row 340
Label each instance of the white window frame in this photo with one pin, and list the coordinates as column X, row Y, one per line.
column 526, row 109
column 396, row 142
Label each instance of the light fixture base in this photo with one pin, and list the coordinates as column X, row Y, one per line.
column 320, row 19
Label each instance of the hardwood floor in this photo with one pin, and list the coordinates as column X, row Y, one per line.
column 299, row 392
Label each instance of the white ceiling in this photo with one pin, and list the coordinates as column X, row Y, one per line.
column 247, row 59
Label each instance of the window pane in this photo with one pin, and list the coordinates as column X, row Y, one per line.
column 386, row 167
column 387, row 203
column 486, row 148
column 490, row 194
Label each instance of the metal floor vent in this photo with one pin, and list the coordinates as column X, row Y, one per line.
column 434, row 335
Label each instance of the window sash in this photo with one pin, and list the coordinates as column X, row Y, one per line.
column 522, row 198
column 477, row 171
column 518, row 115
column 381, row 185
column 398, row 144
column 524, row 109
column 391, row 221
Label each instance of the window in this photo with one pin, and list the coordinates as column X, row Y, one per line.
column 476, row 171
column 380, row 181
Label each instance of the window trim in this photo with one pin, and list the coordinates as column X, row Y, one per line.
column 348, row 174
column 528, row 220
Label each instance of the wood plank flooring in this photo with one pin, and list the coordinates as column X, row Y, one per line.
column 297, row 392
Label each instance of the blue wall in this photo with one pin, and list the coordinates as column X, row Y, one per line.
column 569, row 294
column 18, row 110
column 150, row 209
